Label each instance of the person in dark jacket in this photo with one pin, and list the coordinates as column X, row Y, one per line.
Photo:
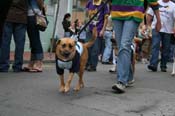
column 15, row 24
column 4, row 7
column 67, row 25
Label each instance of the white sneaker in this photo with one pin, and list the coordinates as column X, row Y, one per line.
column 144, row 61
column 119, row 87
column 130, row 83
column 113, row 69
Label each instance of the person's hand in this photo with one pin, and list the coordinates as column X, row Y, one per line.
column 101, row 33
column 158, row 26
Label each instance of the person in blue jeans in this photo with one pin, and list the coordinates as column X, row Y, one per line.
column 100, row 21
column 108, row 35
column 15, row 24
column 126, row 16
column 37, row 55
column 167, row 15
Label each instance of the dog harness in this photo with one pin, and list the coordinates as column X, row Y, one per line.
column 72, row 65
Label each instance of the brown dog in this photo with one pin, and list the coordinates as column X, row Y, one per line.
column 73, row 56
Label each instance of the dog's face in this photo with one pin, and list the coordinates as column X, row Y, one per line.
column 65, row 48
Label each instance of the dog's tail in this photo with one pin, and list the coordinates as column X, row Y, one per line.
column 92, row 40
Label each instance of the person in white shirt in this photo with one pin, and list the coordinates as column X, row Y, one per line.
column 162, row 38
column 108, row 34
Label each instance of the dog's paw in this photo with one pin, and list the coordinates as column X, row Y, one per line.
column 61, row 89
column 79, row 86
column 82, row 85
column 66, row 89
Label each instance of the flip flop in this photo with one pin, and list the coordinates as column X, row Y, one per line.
column 35, row 70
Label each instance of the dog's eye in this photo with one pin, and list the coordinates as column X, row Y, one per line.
column 70, row 46
column 64, row 45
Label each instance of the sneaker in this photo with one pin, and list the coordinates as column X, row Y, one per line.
column 18, row 70
column 107, row 63
column 91, row 69
column 130, row 83
column 144, row 61
column 113, row 69
column 152, row 68
column 3, row 71
column 119, row 87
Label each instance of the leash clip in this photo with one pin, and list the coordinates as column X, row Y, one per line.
column 75, row 37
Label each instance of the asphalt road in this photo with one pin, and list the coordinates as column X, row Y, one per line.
column 36, row 94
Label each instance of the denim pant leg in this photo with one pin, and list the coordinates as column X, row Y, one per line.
column 165, row 49
column 19, row 38
column 94, row 53
column 66, row 34
column 89, row 35
column 108, row 46
column 101, row 43
column 125, row 32
column 34, row 37
column 5, row 46
column 155, row 47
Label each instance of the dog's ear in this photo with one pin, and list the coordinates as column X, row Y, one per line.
column 58, row 42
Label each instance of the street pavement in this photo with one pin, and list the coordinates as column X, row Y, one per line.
column 36, row 94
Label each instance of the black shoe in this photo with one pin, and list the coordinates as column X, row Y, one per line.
column 107, row 63
column 163, row 70
column 18, row 70
column 3, row 71
column 112, row 71
column 152, row 68
column 91, row 69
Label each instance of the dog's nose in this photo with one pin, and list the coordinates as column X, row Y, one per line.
column 66, row 54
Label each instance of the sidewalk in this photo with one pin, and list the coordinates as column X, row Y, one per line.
column 47, row 57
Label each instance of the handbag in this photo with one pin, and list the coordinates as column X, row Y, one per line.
column 41, row 20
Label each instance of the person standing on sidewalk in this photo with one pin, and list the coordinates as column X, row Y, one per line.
column 35, row 64
column 67, row 25
column 127, row 15
column 15, row 24
column 108, row 35
column 4, row 7
column 100, row 21
column 167, row 15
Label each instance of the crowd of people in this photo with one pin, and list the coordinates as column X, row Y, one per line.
column 20, row 19
column 148, row 24
column 124, row 22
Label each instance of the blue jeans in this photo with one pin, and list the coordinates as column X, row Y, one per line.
column 124, row 32
column 18, row 30
column 108, row 46
column 67, row 34
column 94, row 51
column 34, row 37
column 172, row 52
column 164, row 39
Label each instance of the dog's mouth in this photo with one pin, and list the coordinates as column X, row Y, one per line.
column 65, row 54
